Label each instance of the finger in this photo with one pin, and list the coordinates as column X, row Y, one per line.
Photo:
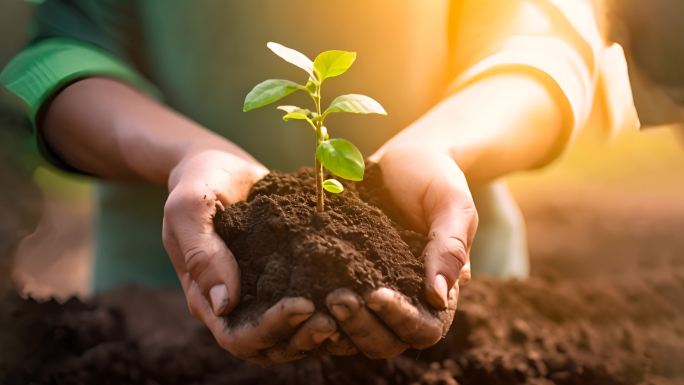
column 447, row 316
column 247, row 340
column 452, row 218
column 308, row 337
column 340, row 345
column 413, row 325
column 195, row 248
column 276, row 324
column 465, row 274
column 313, row 332
column 365, row 330
column 201, row 309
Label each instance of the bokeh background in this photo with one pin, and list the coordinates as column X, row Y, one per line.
column 635, row 172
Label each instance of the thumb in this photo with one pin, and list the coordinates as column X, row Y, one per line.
column 214, row 268
column 196, row 249
column 452, row 220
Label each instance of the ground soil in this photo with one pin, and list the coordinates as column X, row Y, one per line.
column 604, row 305
column 285, row 248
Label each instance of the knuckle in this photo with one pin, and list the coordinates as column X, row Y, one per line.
column 446, row 254
column 201, row 265
column 196, row 259
column 187, row 199
column 456, row 253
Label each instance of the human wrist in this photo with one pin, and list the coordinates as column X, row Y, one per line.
column 497, row 125
column 158, row 140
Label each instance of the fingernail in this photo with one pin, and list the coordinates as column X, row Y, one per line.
column 296, row 319
column 340, row 312
column 379, row 298
column 218, row 295
column 317, row 338
column 335, row 337
column 440, row 288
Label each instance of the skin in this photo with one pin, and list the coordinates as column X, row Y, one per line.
column 107, row 129
column 427, row 168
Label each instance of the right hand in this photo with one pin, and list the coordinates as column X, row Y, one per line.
column 210, row 274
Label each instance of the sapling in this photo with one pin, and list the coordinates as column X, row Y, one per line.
column 339, row 156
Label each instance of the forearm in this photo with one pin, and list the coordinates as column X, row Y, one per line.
column 496, row 125
column 108, row 129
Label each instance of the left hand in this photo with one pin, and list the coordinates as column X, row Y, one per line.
column 429, row 188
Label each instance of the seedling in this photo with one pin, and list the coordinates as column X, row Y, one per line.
column 339, row 156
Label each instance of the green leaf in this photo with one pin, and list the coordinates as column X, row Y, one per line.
column 267, row 92
column 292, row 56
column 356, row 104
column 342, row 158
column 333, row 185
column 294, row 112
column 329, row 64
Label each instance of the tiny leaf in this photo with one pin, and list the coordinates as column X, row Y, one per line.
column 342, row 158
column 267, row 92
column 333, row 185
column 294, row 112
column 329, row 64
column 356, row 104
column 292, row 56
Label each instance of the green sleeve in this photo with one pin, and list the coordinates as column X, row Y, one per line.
column 44, row 68
column 72, row 40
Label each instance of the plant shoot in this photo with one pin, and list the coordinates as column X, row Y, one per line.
column 339, row 156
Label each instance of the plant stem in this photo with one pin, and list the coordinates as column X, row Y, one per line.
column 318, row 168
column 320, row 195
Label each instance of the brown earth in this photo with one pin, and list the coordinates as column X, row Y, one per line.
column 285, row 248
column 604, row 305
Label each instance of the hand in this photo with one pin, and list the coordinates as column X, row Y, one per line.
column 209, row 272
column 431, row 191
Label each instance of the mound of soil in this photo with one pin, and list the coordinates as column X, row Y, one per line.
column 604, row 306
column 285, row 248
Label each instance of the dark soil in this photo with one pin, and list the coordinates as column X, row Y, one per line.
column 604, row 306
column 285, row 248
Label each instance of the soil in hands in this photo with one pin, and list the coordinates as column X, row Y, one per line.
column 285, row 248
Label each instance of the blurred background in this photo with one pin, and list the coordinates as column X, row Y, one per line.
column 46, row 216
column 637, row 172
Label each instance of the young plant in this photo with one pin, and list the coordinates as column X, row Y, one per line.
column 339, row 156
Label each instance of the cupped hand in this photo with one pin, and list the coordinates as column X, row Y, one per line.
column 432, row 193
column 209, row 273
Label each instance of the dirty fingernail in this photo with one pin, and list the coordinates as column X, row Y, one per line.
column 218, row 296
column 340, row 312
column 296, row 319
column 380, row 298
column 335, row 337
column 317, row 338
column 441, row 289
